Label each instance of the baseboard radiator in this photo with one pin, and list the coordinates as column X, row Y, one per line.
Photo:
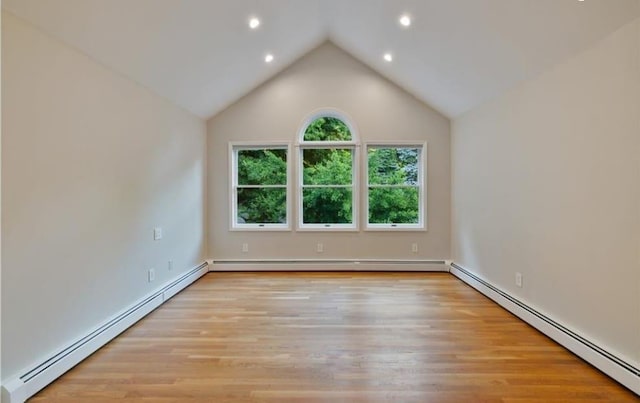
column 620, row 370
column 330, row 265
column 20, row 388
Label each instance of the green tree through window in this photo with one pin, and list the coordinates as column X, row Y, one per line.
column 327, row 129
column 394, row 187
column 260, row 186
column 327, row 173
column 327, row 184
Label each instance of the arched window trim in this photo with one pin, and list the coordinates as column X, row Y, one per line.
column 354, row 144
column 332, row 113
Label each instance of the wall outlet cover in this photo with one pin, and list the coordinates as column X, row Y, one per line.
column 519, row 280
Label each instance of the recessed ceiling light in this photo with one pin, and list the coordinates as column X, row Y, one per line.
column 405, row 20
column 268, row 58
column 254, row 23
column 388, row 57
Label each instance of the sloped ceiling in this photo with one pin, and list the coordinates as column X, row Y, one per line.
column 201, row 54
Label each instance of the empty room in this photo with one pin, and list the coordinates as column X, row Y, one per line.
column 320, row 201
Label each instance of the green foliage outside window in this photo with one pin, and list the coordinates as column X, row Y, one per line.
column 327, row 129
column 262, row 186
column 327, row 197
column 393, row 185
column 327, row 175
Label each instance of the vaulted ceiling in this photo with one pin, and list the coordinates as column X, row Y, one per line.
column 202, row 55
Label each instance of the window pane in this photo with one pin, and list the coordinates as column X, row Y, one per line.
column 327, row 166
column 393, row 205
column 327, row 206
column 262, row 206
column 393, row 166
column 327, row 129
column 262, row 167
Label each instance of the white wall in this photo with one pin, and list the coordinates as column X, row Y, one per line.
column 91, row 162
column 329, row 77
column 0, row 204
column 546, row 181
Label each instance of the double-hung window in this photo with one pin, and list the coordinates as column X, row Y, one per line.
column 327, row 197
column 395, row 186
column 260, row 190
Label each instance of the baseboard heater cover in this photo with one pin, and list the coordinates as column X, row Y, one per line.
column 620, row 370
column 19, row 389
column 329, row 265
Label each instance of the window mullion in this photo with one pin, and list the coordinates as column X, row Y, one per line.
column 394, row 186
column 261, row 186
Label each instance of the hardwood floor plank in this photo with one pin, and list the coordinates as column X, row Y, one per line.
column 332, row 337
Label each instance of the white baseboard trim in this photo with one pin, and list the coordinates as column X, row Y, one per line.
column 617, row 368
column 34, row 379
column 20, row 388
column 329, row 265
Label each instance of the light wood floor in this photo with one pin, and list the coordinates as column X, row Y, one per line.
column 332, row 337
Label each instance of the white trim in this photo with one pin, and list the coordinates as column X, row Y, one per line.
column 395, row 227
column 33, row 379
column 332, row 113
column 327, row 144
column 234, row 146
column 330, row 265
column 327, row 227
column 422, row 187
column 15, row 390
column 579, row 345
column 261, row 228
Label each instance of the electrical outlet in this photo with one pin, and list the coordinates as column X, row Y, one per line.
column 157, row 234
column 245, row 247
column 152, row 275
column 414, row 247
column 519, row 279
column 320, row 248
column 170, row 265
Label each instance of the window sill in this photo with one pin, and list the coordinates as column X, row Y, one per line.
column 256, row 228
column 399, row 227
column 330, row 228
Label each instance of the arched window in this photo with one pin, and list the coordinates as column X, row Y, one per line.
column 327, row 172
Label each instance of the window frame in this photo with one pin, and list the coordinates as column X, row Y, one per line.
column 422, row 187
column 353, row 145
column 234, row 147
